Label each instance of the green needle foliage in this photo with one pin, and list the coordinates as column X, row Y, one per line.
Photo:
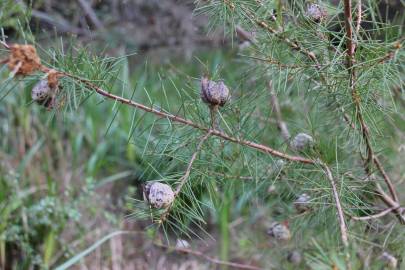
column 306, row 63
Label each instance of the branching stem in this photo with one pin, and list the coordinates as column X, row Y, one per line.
column 341, row 219
column 184, row 178
column 178, row 119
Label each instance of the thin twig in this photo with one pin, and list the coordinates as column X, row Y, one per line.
column 379, row 215
column 208, row 258
column 342, row 223
column 184, row 178
column 359, row 11
column 387, row 180
column 390, row 202
column 282, row 126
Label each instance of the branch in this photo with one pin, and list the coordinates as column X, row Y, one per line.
column 178, row 119
column 379, row 215
column 342, row 223
column 208, row 258
column 184, row 178
column 358, row 17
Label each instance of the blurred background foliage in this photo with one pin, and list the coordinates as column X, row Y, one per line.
column 69, row 177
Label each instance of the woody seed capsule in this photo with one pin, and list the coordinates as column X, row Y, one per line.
column 158, row 195
column 214, row 93
column 279, row 231
column 302, row 141
column 316, row 13
column 41, row 91
column 302, row 203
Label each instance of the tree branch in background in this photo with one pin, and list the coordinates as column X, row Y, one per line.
column 58, row 22
column 91, row 14
column 282, row 126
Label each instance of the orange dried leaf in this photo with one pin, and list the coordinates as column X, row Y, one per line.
column 23, row 59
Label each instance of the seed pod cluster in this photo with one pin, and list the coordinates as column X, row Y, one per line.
column 302, row 141
column 279, row 231
column 302, row 203
column 158, row 195
column 316, row 13
column 214, row 93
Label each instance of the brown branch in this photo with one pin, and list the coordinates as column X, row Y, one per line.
column 208, row 258
column 379, row 215
column 178, row 119
column 391, row 203
column 342, row 223
column 371, row 158
column 386, row 178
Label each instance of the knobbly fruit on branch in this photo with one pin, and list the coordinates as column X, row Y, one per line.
column 316, row 13
column 44, row 92
column 301, row 142
column 214, row 93
column 158, row 195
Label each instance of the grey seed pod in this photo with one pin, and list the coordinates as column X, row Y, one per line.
column 214, row 93
column 316, row 13
column 294, row 257
column 158, row 195
column 389, row 260
column 278, row 165
column 272, row 189
column 302, row 141
column 279, row 231
column 41, row 91
column 181, row 243
column 302, row 203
